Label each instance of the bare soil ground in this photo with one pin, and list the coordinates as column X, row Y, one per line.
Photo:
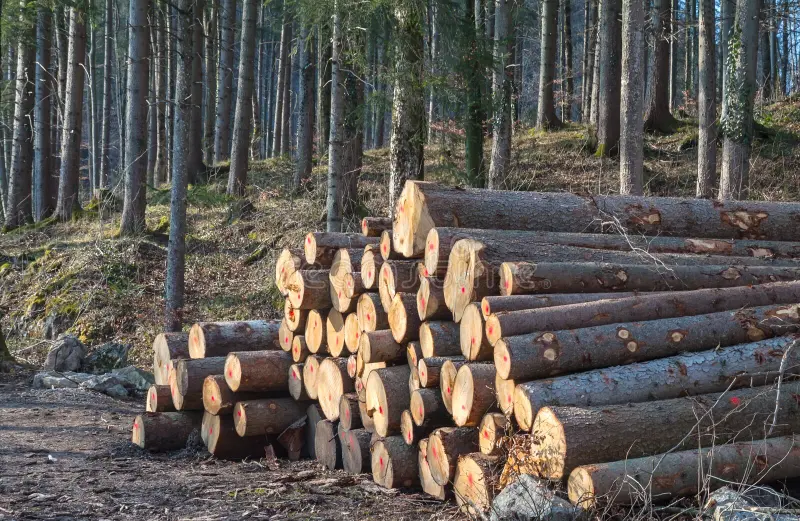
column 66, row 454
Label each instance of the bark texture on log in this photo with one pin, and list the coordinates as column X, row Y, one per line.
column 394, row 464
column 297, row 389
column 439, row 339
column 327, row 445
column 371, row 316
column 309, row 289
column 491, row 431
column 387, row 397
column 163, row 431
column 356, row 456
column 374, row 226
column 397, row 277
column 224, row 443
column 473, row 393
column 321, row 247
column 501, row 303
column 258, row 371
column 159, row 399
column 208, row 339
column 266, row 416
column 166, row 347
column 404, row 321
column 445, row 445
column 218, row 399
column 349, row 413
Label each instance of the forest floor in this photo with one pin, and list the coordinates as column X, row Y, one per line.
column 78, row 277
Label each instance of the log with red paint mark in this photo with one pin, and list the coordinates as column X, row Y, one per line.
column 164, row 431
column 394, row 464
column 166, row 348
column 321, row 247
column 209, row 339
column 257, row 371
column 445, row 445
column 476, row 482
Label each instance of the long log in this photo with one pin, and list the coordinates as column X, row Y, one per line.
column 476, row 482
column 447, row 381
column 422, row 206
column 224, row 443
column 352, row 333
column 310, row 374
column 349, row 413
column 334, row 333
column 300, row 349
column 681, row 473
column 189, row 376
column 356, row 457
column 258, row 371
column 492, row 430
column 642, row 307
column 373, row 226
column 380, row 346
column 474, row 342
column 430, row 300
column 163, row 431
column 549, row 353
column 295, row 318
column 207, row 339
column 439, row 339
column 159, row 399
column 371, row 316
column 387, row 398
column 266, row 416
column 316, row 331
column 568, row 437
column 733, row 367
column 504, row 391
column 309, row 289
column 473, row 393
column 218, row 399
column 168, row 347
column 404, row 321
column 371, row 262
column 345, row 263
column 524, row 277
column 394, row 464
column 332, row 383
column 445, row 445
column 427, row 406
column 501, row 303
column 397, row 276
column 296, row 388
column 430, row 368
column 313, row 417
column 285, row 337
column 429, row 486
column 327, row 446
column 321, row 247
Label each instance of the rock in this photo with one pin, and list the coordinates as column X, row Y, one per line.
column 108, row 384
column 57, row 380
column 751, row 504
column 55, row 324
column 66, row 355
column 106, row 358
column 529, row 499
column 134, row 379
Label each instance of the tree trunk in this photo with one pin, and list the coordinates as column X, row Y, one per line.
column 474, row 74
column 161, row 74
column 707, row 103
column 323, row 89
column 336, row 145
column 406, row 154
column 321, row 247
column 224, row 443
column 138, row 62
column 196, row 137
column 659, row 117
column 546, row 116
column 634, row 70
column 643, row 307
column 404, row 320
column 397, row 277
column 493, row 428
column 673, row 54
column 218, row 399
column 243, row 120
column 764, row 45
column 222, row 133
column 45, row 183
column 68, row 201
column 447, row 380
column 740, row 88
column 258, row 371
column 608, row 113
column 105, row 131
column 371, row 317
column 501, row 303
column 334, row 333
column 305, row 126
column 566, row 58
column 727, row 14
column 286, row 135
column 220, row 338
column 589, row 47
column 310, row 289
column 349, row 412
column 210, row 84
column 594, row 95
column 380, row 346
column 502, row 79
column 427, row 408
column 434, row 24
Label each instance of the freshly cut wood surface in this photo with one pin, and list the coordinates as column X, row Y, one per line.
column 429, row 369
column 356, row 456
column 429, row 486
column 296, row 388
column 380, row 346
column 476, row 482
column 159, row 399
column 310, row 289
column 504, row 390
column 427, row 406
column 295, row 318
column 387, row 396
column 413, row 354
column 332, row 383
column 327, row 445
column 316, row 331
column 313, row 417
column 285, row 337
column 373, row 226
column 168, row 347
column 445, row 445
column 491, row 431
column 321, row 247
column 187, row 384
column 257, row 371
column 439, row 339
column 473, row 340
column 345, row 263
column 352, row 332
column 473, row 393
column 447, row 381
column 219, row 399
column 430, row 300
column 349, row 413
column 207, row 339
column 300, row 349
column 371, row 316
column 163, row 431
column 371, row 262
column 397, row 276
column 310, row 374
column 404, row 321
column 385, row 246
column 335, row 333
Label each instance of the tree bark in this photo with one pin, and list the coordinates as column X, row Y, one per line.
column 608, row 101
column 164, row 431
column 159, row 399
column 394, row 464
column 323, row 89
column 310, row 289
column 501, row 303
column 321, row 247
column 258, row 371
column 634, row 70
column 224, row 443
column 546, row 116
column 161, row 78
column 659, row 117
column 474, row 74
column 305, row 126
column 283, row 77
column 222, row 133
column 220, row 338
column 218, row 399
column 45, row 183
column 196, row 167
column 566, row 60
column 473, row 393
column 266, row 416
column 356, row 457
column 589, row 47
column 502, row 80
column 707, row 103
column 439, row 339
column 336, row 145
column 105, row 131
column 210, row 83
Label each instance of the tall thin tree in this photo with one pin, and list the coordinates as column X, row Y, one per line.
column 105, row 131
column 210, row 83
column 335, row 144
column 658, row 116
column 608, row 101
column 45, row 184
column 222, row 144
column 502, row 79
column 546, row 114
column 634, row 70
column 283, row 78
column 707, row 103
column 305, row 124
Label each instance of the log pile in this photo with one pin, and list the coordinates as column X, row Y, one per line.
column 535, row 338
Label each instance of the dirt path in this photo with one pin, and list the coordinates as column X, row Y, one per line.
column 66, row 454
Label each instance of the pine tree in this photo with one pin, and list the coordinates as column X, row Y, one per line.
column 634, row 69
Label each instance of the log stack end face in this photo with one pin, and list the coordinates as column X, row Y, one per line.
column 137, row 432
column 197, row 341
column 580, row 488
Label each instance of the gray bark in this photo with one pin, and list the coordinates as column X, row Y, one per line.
column 589, row 47
column 196, row 150
column 707, row 103
column 242, row 124
column 45, row 183
column 160, row 167
column 136, row 120
column 283, row 78
column 502, row 79
column 323, row 90
column 286, row 120
column 546, row 115
column 673, row 55
column 634, row 70
column 210, row 84
column 658, row 115
column 608, row 100
column 727, row 12
column 105, row 131
column 222, row 144
column 335, row 145
column 305, row 126
column 152, row 110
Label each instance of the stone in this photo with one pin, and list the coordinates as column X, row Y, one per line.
column 108, row 384
column 58, row 380
column 55, row 324
column 134, row 379
column 750, row 504
column 106, row 358
column 67, row 354
column 529, row 499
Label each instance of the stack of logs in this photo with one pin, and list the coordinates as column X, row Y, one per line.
column 483, row 334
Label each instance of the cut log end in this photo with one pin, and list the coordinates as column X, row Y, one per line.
column 394, row 464
column 411, row 222
column 370, row 268
column 580, row 488
column 431, row 256
column 371, row 317
column 288, row 262
column 502, row 358
column 212, row 394
column 491, row 430
column 403, row 319
column 285, row 336
column 310, row 248
column 474, row 345
column 475, row 483
column 374, row 226
column 352, row 333
column 473, row 393
column 310, row 373
column 300, row 349
column 504, row 390
column 335, row 333
column 407, row 427
column 332, row 384
column 493, row 330
column 233, row 372
column 316, row 331
column 327, row 445
column 295, row 318
column 523, row 409
column 385, row 246
column 197, row 342
column 552, row 453
column 296, row 388
column 159, row 399
column 429, row 486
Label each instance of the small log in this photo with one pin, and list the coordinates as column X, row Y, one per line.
column 473, row 393
column 356, row 457
column 321, row 247
column 413, row 380
column 477, row 482
column 159, row 399
column 569, row 437
column 397, row 277
column 313, row 417
column 288, row 262
column 517, row 278
column 501, row 303
column 491, row 431
column 445, row 445
column 385, row 247
column 413, row 354
column 285, row 337
column 258, row 371
column 447, row 380
column 316, row 330
column 394, row 464
column 404, row 321
column 430, row 369
column 300, row 349
column 310, row 373
column 188, row 381
column 266, row 416
column 430, row 300
column 380, row 346
column 332, row 383
column 346, row 262
column 349, row 413
column 167, row 347
column 473, row 340
column 209, row 339
column 353, row 287
column 439, row 339
column 309, row 289
column 164, row 431
column 387, row 396
column 352, row 332
column 296, row 388
column 371, row 263
column 411, row 432
column 293, row 438
column 366, row 419
column 334, row 333
column 219, row 399
column 295, row 318
column 679, row 473
column 327, row 445
column 549, row 353
column 371, row 316
column 504, row 390
column 427, row 406
column 641, row 307
column 352, row 366
column 224, row 443
column 373, row 226
column 429, row 486
column 734, row 367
